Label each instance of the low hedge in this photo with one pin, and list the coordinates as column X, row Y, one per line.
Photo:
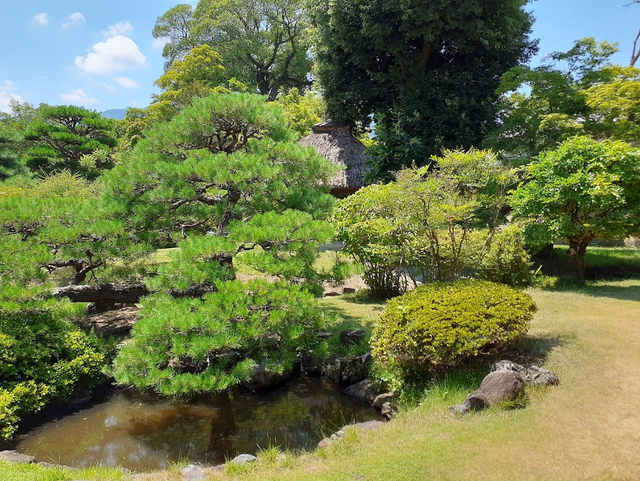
column 43, row 357
column 443, row 324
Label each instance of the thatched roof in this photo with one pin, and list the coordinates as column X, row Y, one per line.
column 335, row 142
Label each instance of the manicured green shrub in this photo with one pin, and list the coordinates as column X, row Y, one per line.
column 441, row 325
column 507, row 260
column 43, row 357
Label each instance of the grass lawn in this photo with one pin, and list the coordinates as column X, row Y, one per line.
column 587, row 428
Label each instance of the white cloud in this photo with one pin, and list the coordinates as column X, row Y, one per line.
column 74, row 19
column 127, row 83
column 78, row 97
column 120, row 28
column 8, row 92
column 42, row 19
column 160, row 42
column 109, row 87
column 113, row 55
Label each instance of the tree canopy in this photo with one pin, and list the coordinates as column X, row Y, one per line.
column 431, row 67
column 582, row 190
column 63, row 135
column 264, row 44
column 223, row 182
column 579, row 92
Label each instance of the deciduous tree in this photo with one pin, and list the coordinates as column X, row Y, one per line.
column 264, row 43
column 582, row 190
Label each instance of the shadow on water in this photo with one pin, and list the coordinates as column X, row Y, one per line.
column 142, row 432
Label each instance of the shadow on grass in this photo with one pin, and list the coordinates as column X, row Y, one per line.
column 593, row 289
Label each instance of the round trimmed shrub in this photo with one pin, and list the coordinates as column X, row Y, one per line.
column 443, row 324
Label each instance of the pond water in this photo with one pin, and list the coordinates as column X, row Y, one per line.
column 144, row 433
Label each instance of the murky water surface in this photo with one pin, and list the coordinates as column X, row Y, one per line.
column 143, row 433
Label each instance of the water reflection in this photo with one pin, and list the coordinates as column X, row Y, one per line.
column 144, row 433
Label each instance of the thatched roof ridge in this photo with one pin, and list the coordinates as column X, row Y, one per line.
column 334, row 141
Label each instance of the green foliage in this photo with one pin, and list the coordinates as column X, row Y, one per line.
column 57, row 224
column 615, row 104
column 582, row 190
column 264, row 44
column 10, row 164
column 222, row 180
column 200, row 74
column 189, row 346
column 429, row 70
column 302, row 111
column 428, row 224
column 579, row 93
column 43, row 357
column 507, row 260
column 444, row 324
column 63, row 135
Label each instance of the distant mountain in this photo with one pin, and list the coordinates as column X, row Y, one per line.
column 117, row 114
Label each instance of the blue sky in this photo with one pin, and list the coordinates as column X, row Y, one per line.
column 101, row 54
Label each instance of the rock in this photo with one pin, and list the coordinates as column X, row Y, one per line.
column 388, row 410
column 352, row 337
column 535, row 376
column 244, row 459
column 111, row 323
column 508, row 366
column 501, row 386
column 14, row 457
column 366, row 426
column 538, row 376
column 472, row 403
column 381, row 399
column 349, row 290
column 363, row 390
column 347, row 371
column 194, row 473
column 264, row 378
column 325, row 443
column 322, row 334
column 332, row 294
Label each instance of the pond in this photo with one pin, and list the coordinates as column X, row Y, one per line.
column 144, row 433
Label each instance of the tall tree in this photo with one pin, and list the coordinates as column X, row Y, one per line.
column 264, row 43
column 430, row 67
column 63, row 135
column 582, row 190
column 575, row 92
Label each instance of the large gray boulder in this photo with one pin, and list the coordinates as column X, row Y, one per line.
column 501, row 386
column 497, row 387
